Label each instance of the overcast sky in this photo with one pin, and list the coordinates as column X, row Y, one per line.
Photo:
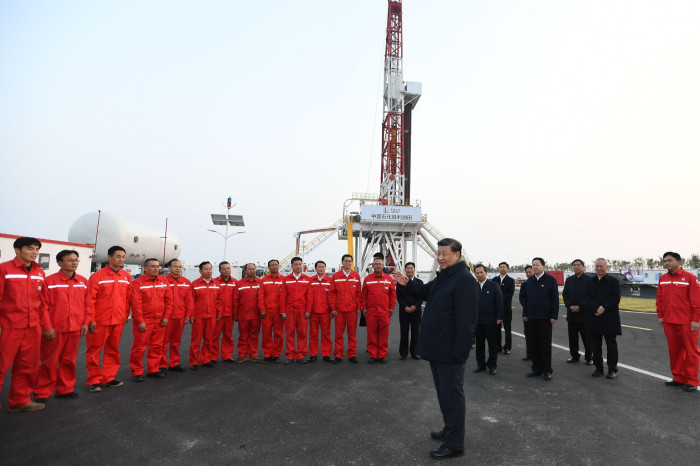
column 546, row 128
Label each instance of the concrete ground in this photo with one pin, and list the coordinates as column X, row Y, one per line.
column 371, row 415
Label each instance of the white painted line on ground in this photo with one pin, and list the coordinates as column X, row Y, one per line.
column 638, row 328
column 632, row 368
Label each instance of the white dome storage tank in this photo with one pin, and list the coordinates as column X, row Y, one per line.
column 141, row 241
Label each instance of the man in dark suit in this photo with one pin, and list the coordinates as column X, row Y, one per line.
column 539, row 296
column 507, row 285
column 410, row 311
column 528, row 351
column 489, row 321
column 574, row 295
column 603, row 317
column 445, row 338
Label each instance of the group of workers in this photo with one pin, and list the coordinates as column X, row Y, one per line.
column 43, row 318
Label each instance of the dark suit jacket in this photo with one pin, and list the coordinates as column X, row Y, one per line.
column 574, row 294
column 540, row 298
column 603, row 292
column 450, row 314
column 406, row 299
column 507, row 290
column 490, row 303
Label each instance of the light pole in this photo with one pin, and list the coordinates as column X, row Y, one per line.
column 228, row 219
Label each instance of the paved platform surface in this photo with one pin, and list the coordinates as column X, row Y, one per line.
column 323, row 414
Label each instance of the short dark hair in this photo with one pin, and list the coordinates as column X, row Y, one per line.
column 250, row 263
column 271, row 261
column 455, row 246
column 64, row 253
column 675, row 255
column 113, row 249
column 378, row 255
column 480, row 266
column 577, row 260
column 296, row 258
column 26, row 241
column 201, row 266
column 223, row 263
column 528, row 267
column 170, row 263
column 410, row 263
column 346, row 255
column 145, row 263
column 504, row 263
column 539, row 259
column 318, row 262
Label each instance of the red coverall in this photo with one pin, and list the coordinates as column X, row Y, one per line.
column 321, row 303
column 346, row 298
column 109, row 293
column 208, row 304
column 294, row 303
column 151, row 302
column 228, row 316
column 378, row 298
column 248, row 312
column 23, row 306
column 183, row 306
column 68, row 312
column 678, row 304
column 272, row 324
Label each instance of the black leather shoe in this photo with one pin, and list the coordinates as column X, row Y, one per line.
column 673, row 383
column 156, row 375
column 313, row 359
column 597, row 373
column 353, row 360
column 573, row 359
column 688, row 388
column 115, row 383
column 440, row 435
column 589, row 362
column 289, row 361
column 176, row 369
column 611, row 375
column 506, row 351
column 533, row 374
column 302, row 361
column 44, row 400
column 443, row 453
column 527, row 358
column 492, row 371
column 547, row 376
column 337, row 360
column 383, row 360
column 230, row 360
column 327, row 359
column 479, row 369
column 277, row 360
column 417, row 358
column 194, row 367
column 371, row 361
column 210, row 364
column 67, row 395
column 404, row 357
column 137, row 378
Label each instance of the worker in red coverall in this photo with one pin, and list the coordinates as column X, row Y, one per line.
column 293, row 308
column 224, row 326
column 248, row 313
column 208, row 307
column 272, row 322
column 67, row 294
column 151, row 306
column 346, row 297
column 24, row 318
column 183, row 306
column 321, row 313
column 109, row 296
column 678, row 309
column 378, row 301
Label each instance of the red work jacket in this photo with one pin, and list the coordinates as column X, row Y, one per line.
column 678, row 298
column 247, row 298
column 67, row 301
column 293, row 297
column 320, row 298
column 208, row 302
column 109, row 295
column 227, row 289
column 270, row 291
column 151, row 299
column 183, row 304
column 378, row 294
column 346, row 294
column 23, row 297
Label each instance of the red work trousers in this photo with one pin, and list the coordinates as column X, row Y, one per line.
column 296, row 323
column 684, row 353
column 345, row 320
column 152, row 339
column 223, row 326
column 378, row 335
column 57, row 370
column 203, row 329
column 105, row 337
column 273, row 335
column 324, row 322
column 248, row 338
column 173, row 337
column 19, row 349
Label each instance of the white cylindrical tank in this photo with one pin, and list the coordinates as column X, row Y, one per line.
column 141, row 241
